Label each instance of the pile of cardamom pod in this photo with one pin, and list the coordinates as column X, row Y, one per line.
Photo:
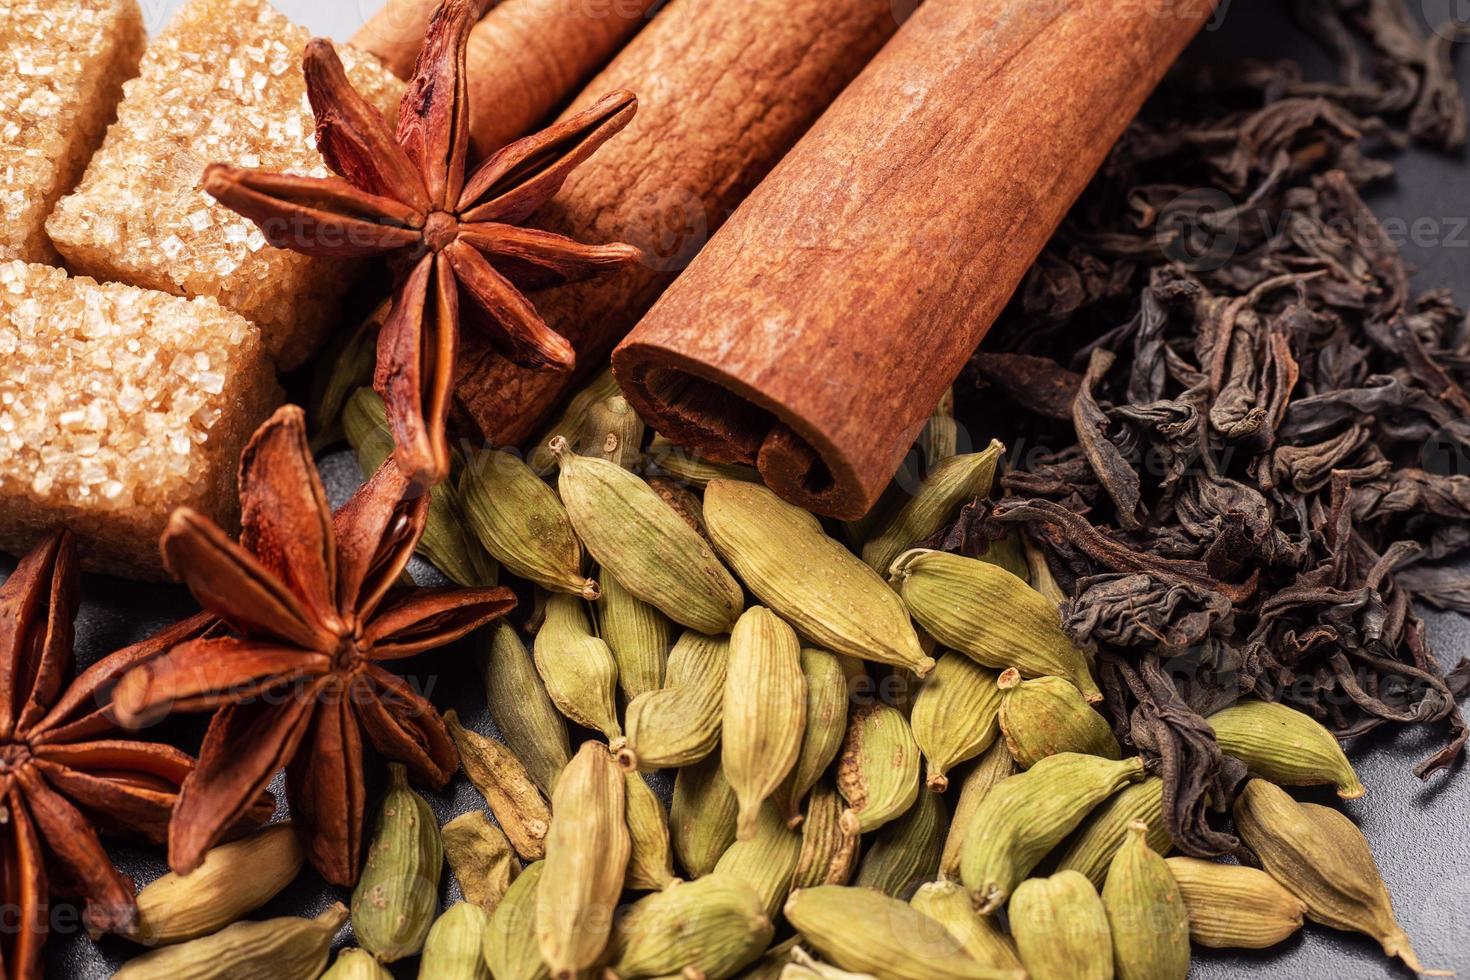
column 887, row 760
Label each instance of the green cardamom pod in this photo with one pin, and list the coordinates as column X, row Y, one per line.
column 1028, row 814
column 709, row 928
column 481, row 858
column 825, row 591
column 1040, row 575
column 520, row 521
column 774, row 962
column 702, row 815
column 826, row 725
column 905, row 853
column 950, row 485
column 523, row 712
column 638, row 635
column 683, row 465
column 395, row 900
column 288, row 948
column 570, row 424
column 357, row 964
column 1285, row 746
column 947, row 903
column 587, row 854
column 1146, row 913
column 1008, row 553
column 828, row 849
column 764, row 711
column 578, row 669
column 1061, row 928
column 612, row 431
column 679, row 724
column 346, row 365
column 681, row 501
column 878, row 770
column 955, row 715
column 767, row 861
column 988, row 614
column 651, row 866
column 455, row 947
column 235, row 879
column 1234, row 907
column 507, row 787
column 1091, row 849
column 866, row 931
column 1047, row 715
column 444, row 543
column 511, row 950
column 1323, row 859
column 636, row 536
column 941, row 436
column 994, row 765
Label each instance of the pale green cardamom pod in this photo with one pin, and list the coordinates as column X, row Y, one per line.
column 510, row 948
column 444, row 543
column 947, row 903
column 1234, row 907
column 520, row 521
column 702, row 815
column 507, row 787
column 994, row 765
column 774, row 962
column 651, row 866
column 829, row 851
column 878, row 770
column 710, row 928
column 346, row 365
column 569, row 425
column 682, row 465
column 679, row 724
column 637, row 537
column 1091, row 849
column 764, row 712
column 522, row 710
column 955, row 715
column 1061, row 928
column 1285, row 746
column 1040, row 576
column 357, row 964
column 905, row 853
column 1008, row 553
column 1323, row 859
column 612, row 431
column 638, row 635
column 455, row 947
column 235, row 879
column 587, row 854
column 682, row 501
column 810, row 580
column 577, row 667
column 1047, row 715
column 1146, row 913
column 826, row 724
column 949, row 486
column 866, row 931
column 987, row 613
column 1028, row 814
column 481, row 858
column 941, row 436
column 395, row 900
column 767, row 861
column 287, row 948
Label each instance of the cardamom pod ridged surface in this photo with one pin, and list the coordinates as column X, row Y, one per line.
column 679, row 724
column 1061, row 928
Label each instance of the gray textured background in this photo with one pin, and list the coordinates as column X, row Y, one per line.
column 1417, row 830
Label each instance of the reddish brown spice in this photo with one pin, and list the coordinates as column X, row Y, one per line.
column 310, row 599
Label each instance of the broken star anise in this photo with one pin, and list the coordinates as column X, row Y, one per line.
column 459, row 253
column 63, row 774
column 310, row 599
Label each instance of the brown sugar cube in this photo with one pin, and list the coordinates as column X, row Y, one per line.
column 222, row 83
column 64, row 63
column 118, row 404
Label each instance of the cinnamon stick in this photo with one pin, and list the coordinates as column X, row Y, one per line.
column 816, row 332
column 724, row 90
column 396, row 33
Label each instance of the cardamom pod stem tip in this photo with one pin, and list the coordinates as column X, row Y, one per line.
column 937, row 782
column 899, row 570
column 1009, row 678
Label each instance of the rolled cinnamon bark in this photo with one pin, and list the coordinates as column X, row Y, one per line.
column 396, row 33
column 816, row 332
column 724, row 90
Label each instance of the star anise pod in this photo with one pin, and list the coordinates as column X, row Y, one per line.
column 459, row 254
column 310, row 599
column 64, row 775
